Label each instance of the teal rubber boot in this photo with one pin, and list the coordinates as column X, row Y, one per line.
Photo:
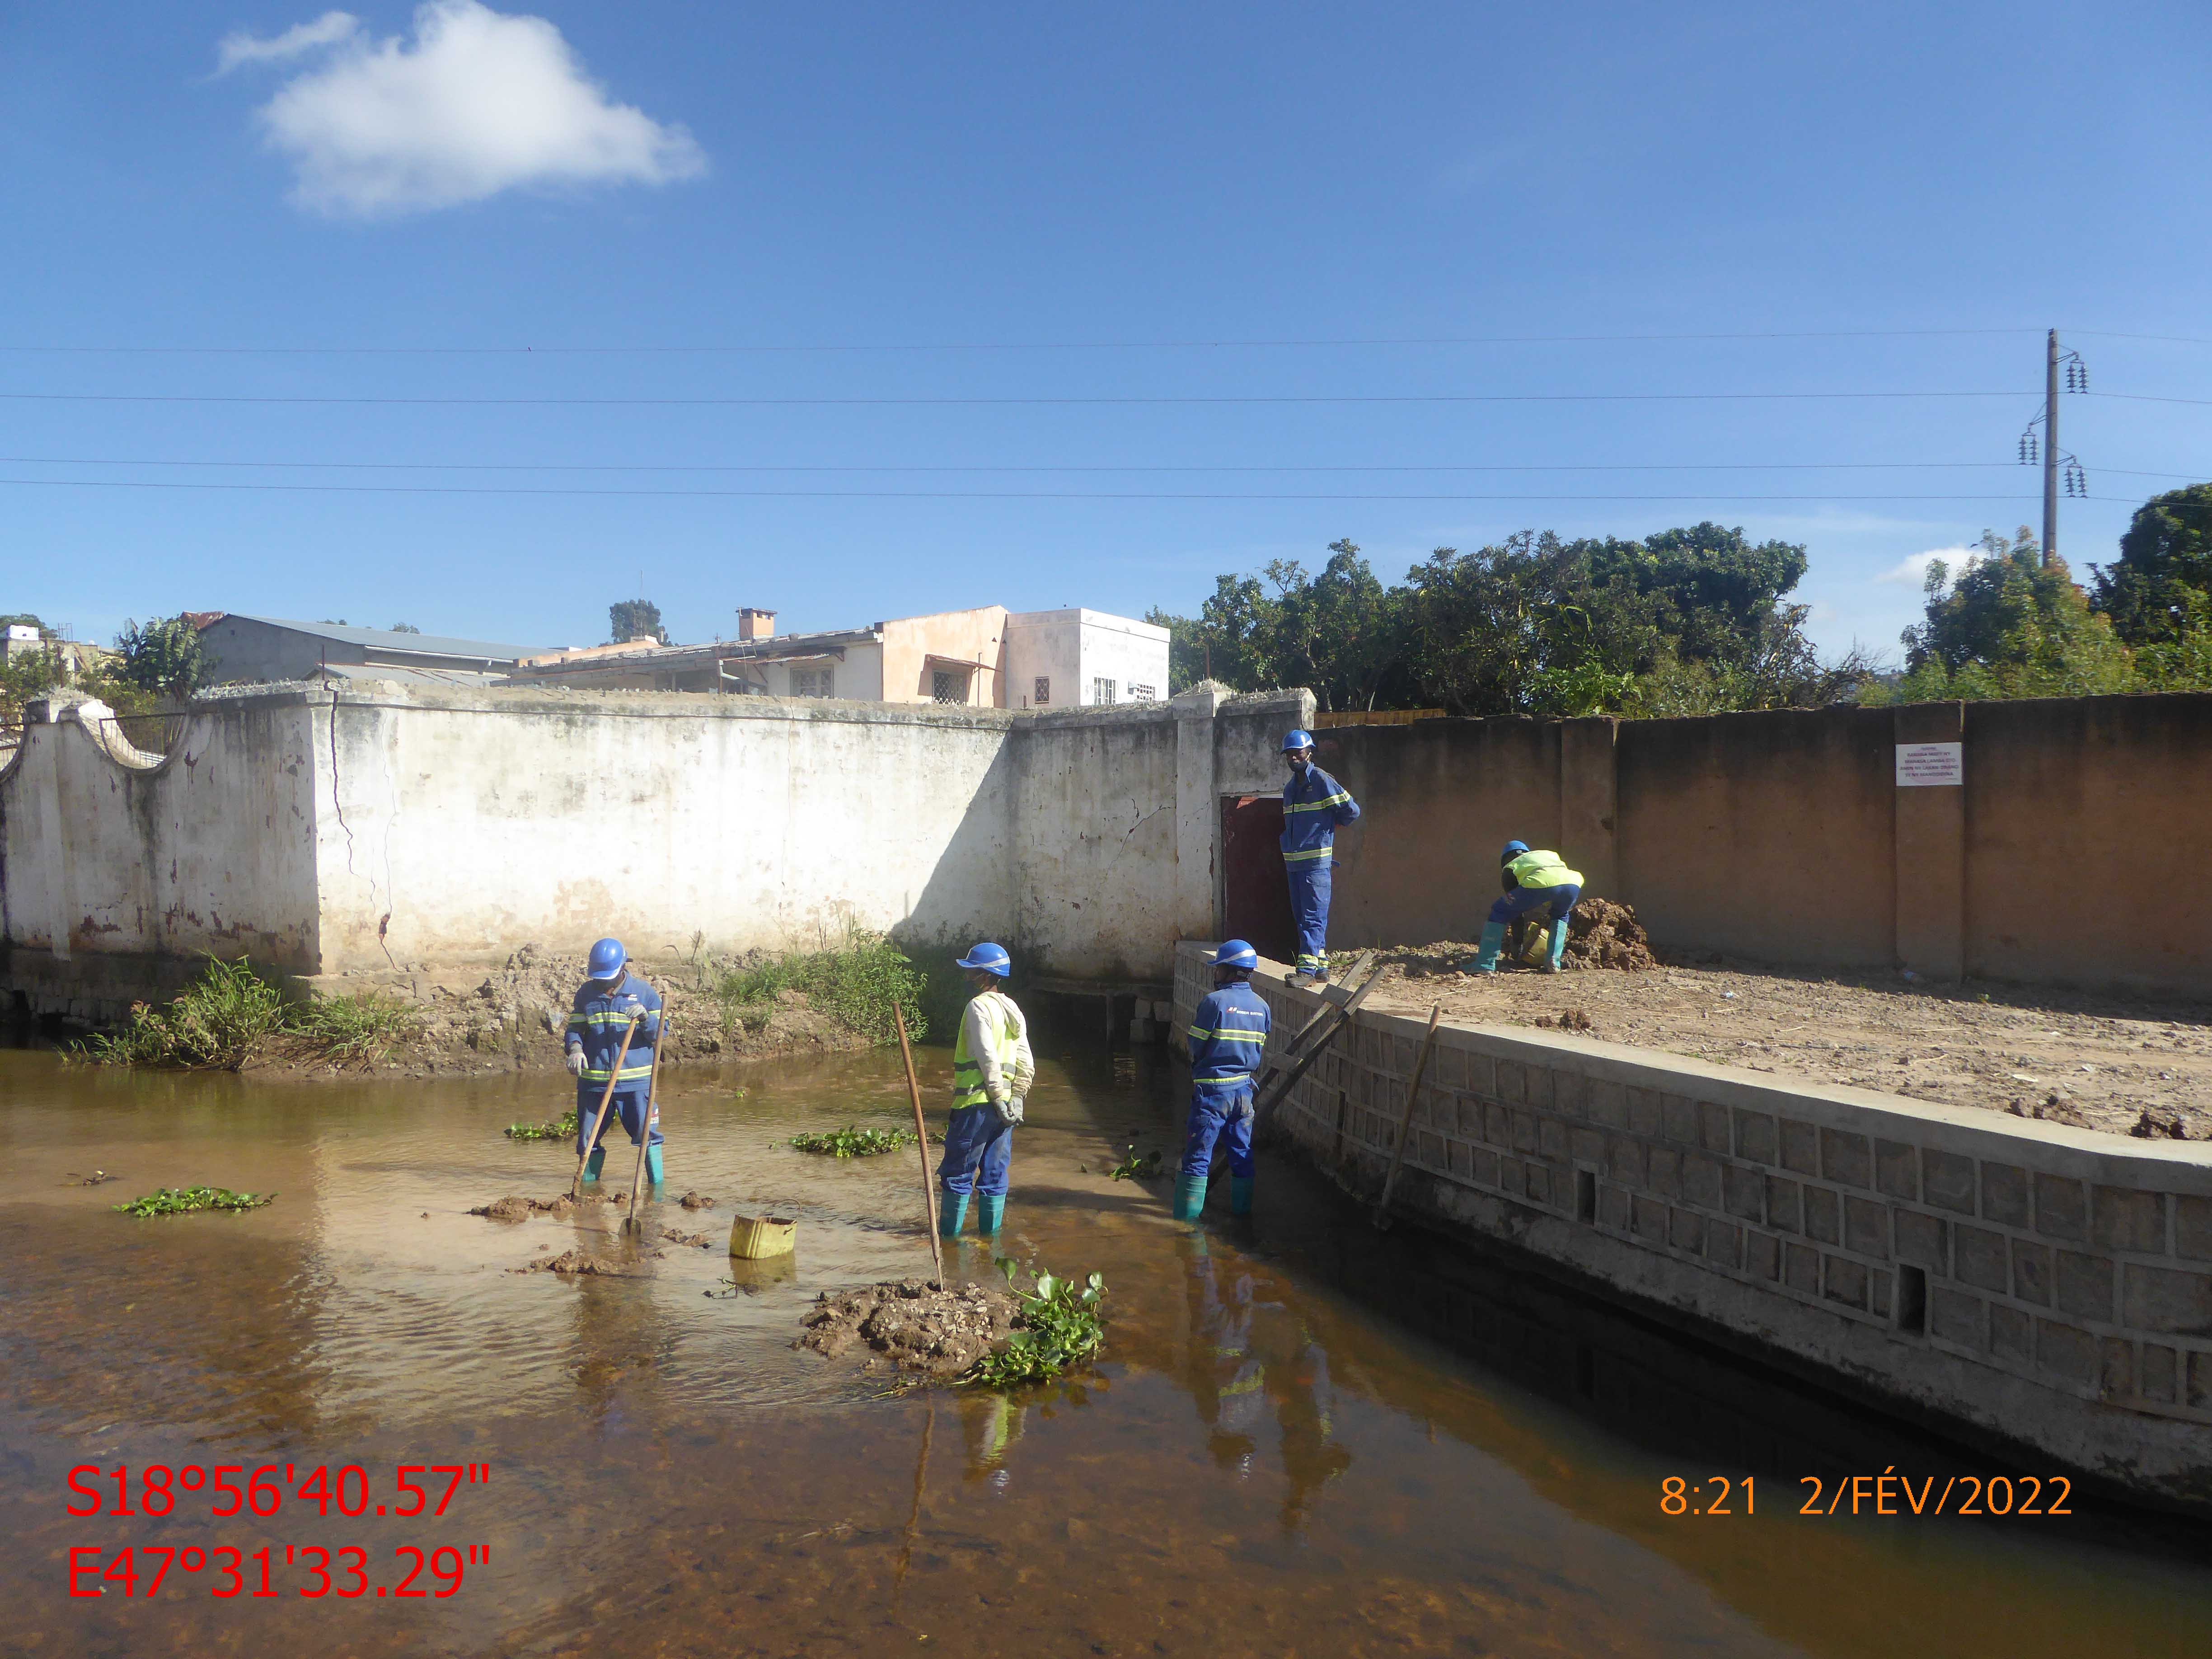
column 1558, row 945
column 989, row 1212
column 653, row 1164
column 952, row 1211
column 1240, row 1194
column 1190, row 1198
column 1485, row 954
column 595, row 1163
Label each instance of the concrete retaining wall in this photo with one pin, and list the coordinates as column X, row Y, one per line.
column 2048, row 1289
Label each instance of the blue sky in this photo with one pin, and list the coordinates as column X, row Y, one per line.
column 1050, row 204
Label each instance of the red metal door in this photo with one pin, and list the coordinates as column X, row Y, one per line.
column 1255, row 893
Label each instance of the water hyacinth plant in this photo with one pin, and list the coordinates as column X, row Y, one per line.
column 852, row 1141
column 559, row 1128
column 183, row 1200
column 1061, row 1329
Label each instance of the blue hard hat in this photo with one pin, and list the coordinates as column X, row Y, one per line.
column 1514, row 849
column 1298, row 740
column 991, row 958
column 608, row 959
column 1235, row 953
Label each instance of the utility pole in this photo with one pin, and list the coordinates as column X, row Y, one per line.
column 2050, row 448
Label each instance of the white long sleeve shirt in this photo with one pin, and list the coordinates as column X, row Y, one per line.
column 988, row 1016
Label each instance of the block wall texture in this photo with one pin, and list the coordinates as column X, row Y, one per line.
column 2050, row 1287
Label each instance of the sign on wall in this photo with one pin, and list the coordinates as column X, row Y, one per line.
column 1921, row 763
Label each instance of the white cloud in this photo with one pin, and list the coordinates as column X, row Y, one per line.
column 301, row 38
column 478, row 103
column 1913, row 572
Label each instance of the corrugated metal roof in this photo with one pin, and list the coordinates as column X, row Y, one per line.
column 383, row 639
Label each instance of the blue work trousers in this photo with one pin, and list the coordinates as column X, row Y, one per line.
column 979, row 1152
column 1555, row 902
column 1309, row 880
column 628, row 1108
column 1220, row 1120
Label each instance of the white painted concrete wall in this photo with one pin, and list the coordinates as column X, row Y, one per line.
column 1075, row 648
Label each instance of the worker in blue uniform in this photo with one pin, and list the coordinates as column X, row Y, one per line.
column 993, row 1067
column 1228, row 1036
column 604, row 1005
column 1314, row 804
column 1537, row 885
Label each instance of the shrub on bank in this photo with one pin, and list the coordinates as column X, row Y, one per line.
column 233, row 1013
column 858, row 983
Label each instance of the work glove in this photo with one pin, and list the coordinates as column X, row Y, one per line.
column 576, row 1062
column 1009, row 1110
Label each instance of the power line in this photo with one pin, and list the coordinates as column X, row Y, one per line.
column 1002, row 345
column 940, row 403
column 1079, row 467
column 946, row 494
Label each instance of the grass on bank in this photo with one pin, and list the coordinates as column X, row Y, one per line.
column 858, row 983
column 1060, row 1330
column 232, row 1014
column 183, row 1200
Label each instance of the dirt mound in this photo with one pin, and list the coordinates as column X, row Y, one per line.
column 695, row 1201
column 696, row 1241
column 507, row 1209
column 915, row 1326
column 1575, row 1020
column 1603, row 934
column 576, row 1264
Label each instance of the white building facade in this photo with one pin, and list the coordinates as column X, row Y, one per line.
column 1078, row 659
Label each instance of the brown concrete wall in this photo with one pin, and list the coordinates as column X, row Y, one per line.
column 2089, row 841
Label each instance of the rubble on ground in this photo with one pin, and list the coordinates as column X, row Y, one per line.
column 912, row 1325
column 1603, row 934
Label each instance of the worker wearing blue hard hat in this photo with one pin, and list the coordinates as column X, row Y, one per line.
column 606, row 1003
column 1536, row 884
column 992, row 1070
column 1228, row 1037
column 1314, row 805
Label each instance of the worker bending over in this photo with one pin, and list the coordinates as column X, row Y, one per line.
column 992, row 1071
column 598, row 1021
column 1314, row 803
column 1535, row 884
column 1228, row 1036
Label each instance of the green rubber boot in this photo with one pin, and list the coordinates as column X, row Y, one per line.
column 1558, row 945
column 989, row 1212
column 952, row 1211
column 595, row 1163
column 1485, row 954
column 653, row 1164
column 1190, row 1198
column 1240, row 1194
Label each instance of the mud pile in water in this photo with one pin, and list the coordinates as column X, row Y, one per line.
column 1603, row 934
column 560, row 1207
column 915, row 1326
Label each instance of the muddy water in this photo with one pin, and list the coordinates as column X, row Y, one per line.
column 1305, row 1438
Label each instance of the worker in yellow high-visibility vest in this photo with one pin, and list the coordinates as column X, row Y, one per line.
column 1534, row 882
column 992, row 1070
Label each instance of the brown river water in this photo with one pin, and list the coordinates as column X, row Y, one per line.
column 1303, row 1437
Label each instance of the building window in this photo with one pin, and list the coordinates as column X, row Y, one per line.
column 1143, row 694
column 1043, row 697
column 949, row 685
column 1102, row 690
column 813, row 681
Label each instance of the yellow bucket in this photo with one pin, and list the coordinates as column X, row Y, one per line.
column 756, row 1238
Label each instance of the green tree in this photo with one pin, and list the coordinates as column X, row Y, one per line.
column 635, row 619
column 2010, row 625
column 405, row 627
column 165, row 658
column 24, row 619
column 2160, row 586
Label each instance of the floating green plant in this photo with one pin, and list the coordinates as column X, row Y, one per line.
column 853, row 1141
column 1134, row 1168
column 559, row 1129
column 182, row 1200
column 1059, row 1330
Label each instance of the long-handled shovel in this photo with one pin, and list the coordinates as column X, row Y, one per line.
column 1382, row 1216
column 633, row 1222
column 921, row 1144
column 592, row 1140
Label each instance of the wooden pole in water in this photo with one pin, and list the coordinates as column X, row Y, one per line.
column 630, row 1222
column 614, row 1074
column 921, row 1145
column 1406, row 1123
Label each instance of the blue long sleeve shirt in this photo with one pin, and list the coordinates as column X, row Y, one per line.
column 1314, row 804
column 1227, row 1035
column 598, row 1017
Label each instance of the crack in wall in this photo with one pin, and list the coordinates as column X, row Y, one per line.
column 337, row 809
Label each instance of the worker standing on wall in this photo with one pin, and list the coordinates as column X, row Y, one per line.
column 598, row 1021
column 1534, row 882
column 992, row 1071
column 1228, row 1036
column 1314, row 804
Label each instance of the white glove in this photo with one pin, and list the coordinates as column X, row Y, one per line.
column 576, row 1062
